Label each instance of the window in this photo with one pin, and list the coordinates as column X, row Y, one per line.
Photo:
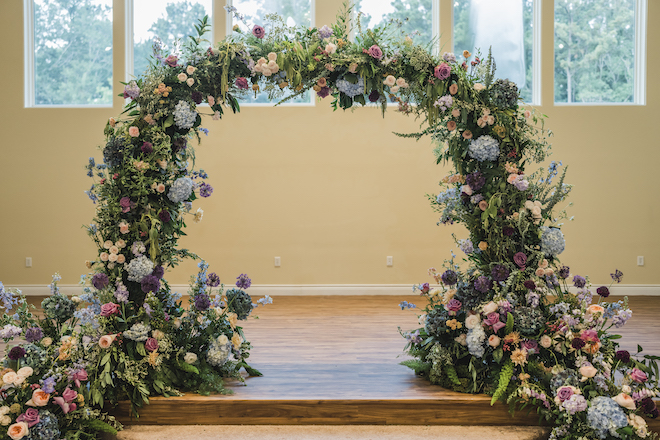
column 516, row 23
column 68, row 53
column 293, row 12
column 168, row 23
column 415, row 17
column 598, row 51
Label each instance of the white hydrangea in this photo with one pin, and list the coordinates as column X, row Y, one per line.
column 484, row 148
column 180, row 190
column 139, row 268
column 475, row 341
column 184, row 116
column 218, row 354
column 139, row 332
column 552, row 241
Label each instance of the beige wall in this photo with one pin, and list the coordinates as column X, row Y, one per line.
column 331, row 193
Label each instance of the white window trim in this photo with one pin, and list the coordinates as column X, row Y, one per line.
column 29, row 94
column 129, row 8
column 639, row 76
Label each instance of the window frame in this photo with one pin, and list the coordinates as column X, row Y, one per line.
column 639, row 74
column 29, row 78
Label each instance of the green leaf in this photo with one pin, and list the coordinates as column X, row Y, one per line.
column 139, row 347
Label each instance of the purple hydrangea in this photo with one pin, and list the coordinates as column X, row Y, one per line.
column 325, row 32
column 131, row 90
column 243, row 281
column 150, row 283
column 476, row 180
column 34, row 334
column 579, row 281
column 449, row 277
column 483, row 284
column 100, row 280
column 324, row 92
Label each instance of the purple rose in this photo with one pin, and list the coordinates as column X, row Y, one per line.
column 638, row 375
column 125, row 204
column 564, row 393
column 375, row 52
column 241, row 83
column 520, row 259
column 100, row 280
column 147, row 147
column 530, row 345
column 69, row 395
column 151, row 344
column 442, row 71
column 30, row 416
column 258, row 31
column 603, row 291
column 171, row 60
column 453, row 306
column 109, row 309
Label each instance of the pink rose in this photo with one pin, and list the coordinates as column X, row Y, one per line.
column 442, row 71
column 133, row 131
column 171, row 60
column 453, row 306
column 375, row 52
column 66, row 406
column 258, row 31
column 18, row 430
column 109, row 309
column 211, row 100
column 638, row 375
column 106, row 340
column 151, row 344
column 565, row 393
column 31, row 417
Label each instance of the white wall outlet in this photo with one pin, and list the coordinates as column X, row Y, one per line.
column 278, row 262
column 28, row 261
column 390, row 261
column 640, row 260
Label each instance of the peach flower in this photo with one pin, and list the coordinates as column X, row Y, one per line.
column 106, row 340
column 625, row 401
column 546, row 341
column 190, row 82
column 588, row 371
column 331, row 48
column 494, row 341
column 133, row 131
column 322, row 82
column 39, row 398
column 211, row 100
column 490, row 308
column 121, row 259
column 389, row 81
column 190, row 70
column 272, row 56
column 483, row 205
column 451, row 125
column 512, row 178
column 453, row 89
column 124, row 227
column 595, row 308
column 483, row 245
column 456, row 113
column 18, row 430
column 112, row 122
column 353, row 67
column 160, row 188
column 467, row 134
column 114, row 249
column 104, row 256
column 112, row 258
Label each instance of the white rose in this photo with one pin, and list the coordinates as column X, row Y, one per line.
column 472, row 321
column 222, row 339
column 190, row 82
column 536, row 210
column 529, row 204
column 10, row 377
column 182, row 77
column 107, row 244
column 389, row 81
column 190, row 70
column 190, row 358
column 4, row 410
column 76, row 299
column 546, row 341
column 104, row 256
column 401, row 82
column 331, row 48
column 626, row 389
column 112, row 258
column 114, row 249
column 5, row 420
column 23, row 372
column 491, row 307
column 625, row 401
column 272, row 56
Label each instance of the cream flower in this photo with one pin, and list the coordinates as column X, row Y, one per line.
column 106, row 340
column 490, row 308
column 401, row 82
column 190, row 358
column 10, row 378
column 5, row 420
column 25, row 372
column 124, row 227
column 46, row 342
column 394, row 89
column 114, row 249
column 494, row 341
column 198, row 215
column 190, row 70
column 588, row 371
column 331, row 48
column 272, row 56
column 353, row 67
column 236, row 341
column 182, row 77
column 107, row 244
column 479, row 87
column 190, row 82
column 389, row 80
column 472, row 321
column 121, row 259
column 546, row 341
column 112, row 258
column 625, row 401
column 222, row 340
column 211, row 100
column 121, row 244
column 104, row 256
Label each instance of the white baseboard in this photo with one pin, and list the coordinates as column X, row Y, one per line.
column 330, row 289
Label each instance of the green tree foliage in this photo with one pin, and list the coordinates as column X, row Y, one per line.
column 414, row 17
column 72, row 52
column 594, row 50
column 175, row 26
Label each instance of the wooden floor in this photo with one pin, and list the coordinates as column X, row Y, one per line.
column 335, row 360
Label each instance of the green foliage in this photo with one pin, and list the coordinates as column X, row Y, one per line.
column 503, row 382
column 420, row 368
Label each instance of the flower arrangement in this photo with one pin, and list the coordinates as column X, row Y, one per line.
column 506, row 321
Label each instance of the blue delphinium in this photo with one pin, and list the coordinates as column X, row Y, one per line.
column 484, row 148
column 552, row 241
column 7, row 297
column 180, row 189
column 605, row 416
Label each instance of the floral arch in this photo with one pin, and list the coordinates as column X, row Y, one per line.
column 502, row 321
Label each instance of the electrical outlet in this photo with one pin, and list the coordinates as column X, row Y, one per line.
column 640, row 260
column 390, row 262
column 278, row 262
column 28, row 261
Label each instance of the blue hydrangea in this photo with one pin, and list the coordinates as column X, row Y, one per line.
column 605, row 416
column 138, row 332
column 139, row 268
column 552, row 241
column 46, row 429
column 349, row 89
column 484, row 148
column 184, row 116
column 87, row 316
column 180, row 190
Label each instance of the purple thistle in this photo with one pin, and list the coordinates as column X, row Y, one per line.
column 147, row 147
column 205, row 190
column 197, row 97
column 603, row 291
column 483, row 284
column 449, row 277
column 243, row 281
column 374, row 96
column 564, row 272
column 578, row 343
column 164, row 216
column 623, row 356
column 16, row 353
column 617, row 275
column 529, row 284
column 150, row 283
column 202, row 302
column 499, row 272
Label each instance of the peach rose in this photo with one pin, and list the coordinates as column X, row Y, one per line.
column 467, row 134
column 540, row 272
column 353, row 67
column 134, row 131
column 10, row 377
column 401, row 82
column 39, row 398
column 121, row 259
column 595, row 308
column 124, row 227
column 451, row 125
column 625, row 401
column 394, row 89
column 389, row 81
column 479, row 87
column 527, row 114
column 121, row 244
column 114, row 249
column 160, row 188
column 112, row 122
column 112, row 258
column 18, row 430
column 483, row 245
column 322, row 82
column 453, row 89
column 190, row 82
column 106, row 340
column 456, row 113
column 272, row 56
column 190, row 70
column 104, row 256
column 588, row 371
column 494, row 341
column 483, row 205
column 330, row 48
column 182, row 77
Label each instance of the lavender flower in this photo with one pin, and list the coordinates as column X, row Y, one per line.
column 202, row 302
column 10, row 331
column 579, row 281
column 325, row 32
column 121, row 293
column 449, row 57
column 137, row 248
column 131, row 90
column 444, row 103
column 7, row 298
column 34, row 334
